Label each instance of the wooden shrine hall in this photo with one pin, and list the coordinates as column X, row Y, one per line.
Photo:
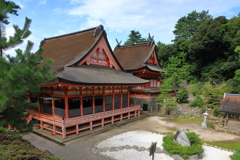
column 90, row 88
column 145, row 66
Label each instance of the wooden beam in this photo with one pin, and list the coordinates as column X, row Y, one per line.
column 66, row 103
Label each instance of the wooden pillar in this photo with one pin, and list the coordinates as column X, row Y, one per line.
column 112, row 98
column 64, row 132
column 41, row 125
column 121, row 97
column 128, row 96
column 128, row 115
column 81, row 107
column 112, row 119
column 53, row 107
column 104, row 104
column 66, row 103
column 91, row 125
column 135, row 113
column 139, row 112
column 54, row 129
column 102, row 122
column 77, row 129
column 121, row 117
column 93, row 106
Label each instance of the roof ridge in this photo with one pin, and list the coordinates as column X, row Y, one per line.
column 133, row 45
column 72, row 34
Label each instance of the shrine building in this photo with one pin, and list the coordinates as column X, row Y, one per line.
column 142, row 61
column 91, row 88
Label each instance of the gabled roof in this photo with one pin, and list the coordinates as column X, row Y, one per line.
column 134, row 57
column 68, row 49
column 230, row 103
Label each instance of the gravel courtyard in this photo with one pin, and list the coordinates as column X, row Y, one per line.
column 82, row 148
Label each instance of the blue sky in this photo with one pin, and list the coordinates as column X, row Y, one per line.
column 157, row 17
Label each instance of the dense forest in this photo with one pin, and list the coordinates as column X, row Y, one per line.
column 205, row 53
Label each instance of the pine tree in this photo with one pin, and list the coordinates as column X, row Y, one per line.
column 134, row 37
column 164, row 97
column 18, row 76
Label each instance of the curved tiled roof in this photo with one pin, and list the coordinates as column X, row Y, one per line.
column 230, row 104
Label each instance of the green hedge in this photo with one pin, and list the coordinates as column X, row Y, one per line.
column 175, row 148
column 14, row 147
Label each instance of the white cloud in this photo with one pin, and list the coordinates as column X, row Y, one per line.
column 20, row 4
column 156, row 17
column 42, row 2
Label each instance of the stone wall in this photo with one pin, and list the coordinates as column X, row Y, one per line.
column 185, row 109
column 151, row 105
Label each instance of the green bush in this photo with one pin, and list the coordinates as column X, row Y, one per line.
column 175, row 148
column 210, row 106
column 213, row 100
column 210, row 125
column 236, row 156
column 216, row 112
column 182, row 95
column 198, row 101
column 13, row 146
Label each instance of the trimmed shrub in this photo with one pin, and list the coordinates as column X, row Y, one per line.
column 210, row 106
column 198, row 101
column 216, row 112
column 182, row 95
column 175, row 148
column 13, row 146
column 236, row 156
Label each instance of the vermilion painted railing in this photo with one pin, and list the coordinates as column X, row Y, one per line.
column 81, row 119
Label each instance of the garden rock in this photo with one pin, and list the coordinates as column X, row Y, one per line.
column 158, row 150
column 127, row 147
column 193, row 157
column 182, row 138
column 177, row 157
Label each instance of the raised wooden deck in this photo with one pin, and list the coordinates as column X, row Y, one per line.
column 54, row 121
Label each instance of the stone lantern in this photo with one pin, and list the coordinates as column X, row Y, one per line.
column 204, row 123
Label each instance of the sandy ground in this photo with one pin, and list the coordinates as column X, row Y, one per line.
column 82, row 148
column 142, row 138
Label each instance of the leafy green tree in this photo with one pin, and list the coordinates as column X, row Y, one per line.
column 198, row 101
column 182, row 95
column 134, row 38
column 187, row 26
column 164, row 97
column 20, row 75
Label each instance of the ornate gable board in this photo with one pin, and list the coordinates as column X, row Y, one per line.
column 152, row 59
column 100, row 55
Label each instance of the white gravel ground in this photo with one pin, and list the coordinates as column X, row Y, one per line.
column 142, row 138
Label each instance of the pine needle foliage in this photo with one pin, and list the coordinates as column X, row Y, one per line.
column 19, row 75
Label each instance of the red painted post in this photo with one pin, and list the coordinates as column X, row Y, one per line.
column 54, row 129
column 91, row 125
column 102, row 122
column 77, row 129
column 112, row 119
column 128, row 115
column 81, row 107
column 64, row 132
column 121, row 116
column 53, row 106
column 104, row 104
column 93, row 106
column 112, row 98
column 121, row 97
column 66, row 103
column 41, row 124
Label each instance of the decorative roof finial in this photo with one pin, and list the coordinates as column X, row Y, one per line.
column 98, row 30
column 118, row 43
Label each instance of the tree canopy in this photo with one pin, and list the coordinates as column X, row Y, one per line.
column 20, row 76
column 187, row 26
column 134, row 37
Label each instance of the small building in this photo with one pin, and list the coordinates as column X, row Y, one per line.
column 142, row 61
column 91, row 87
column 230, row 105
